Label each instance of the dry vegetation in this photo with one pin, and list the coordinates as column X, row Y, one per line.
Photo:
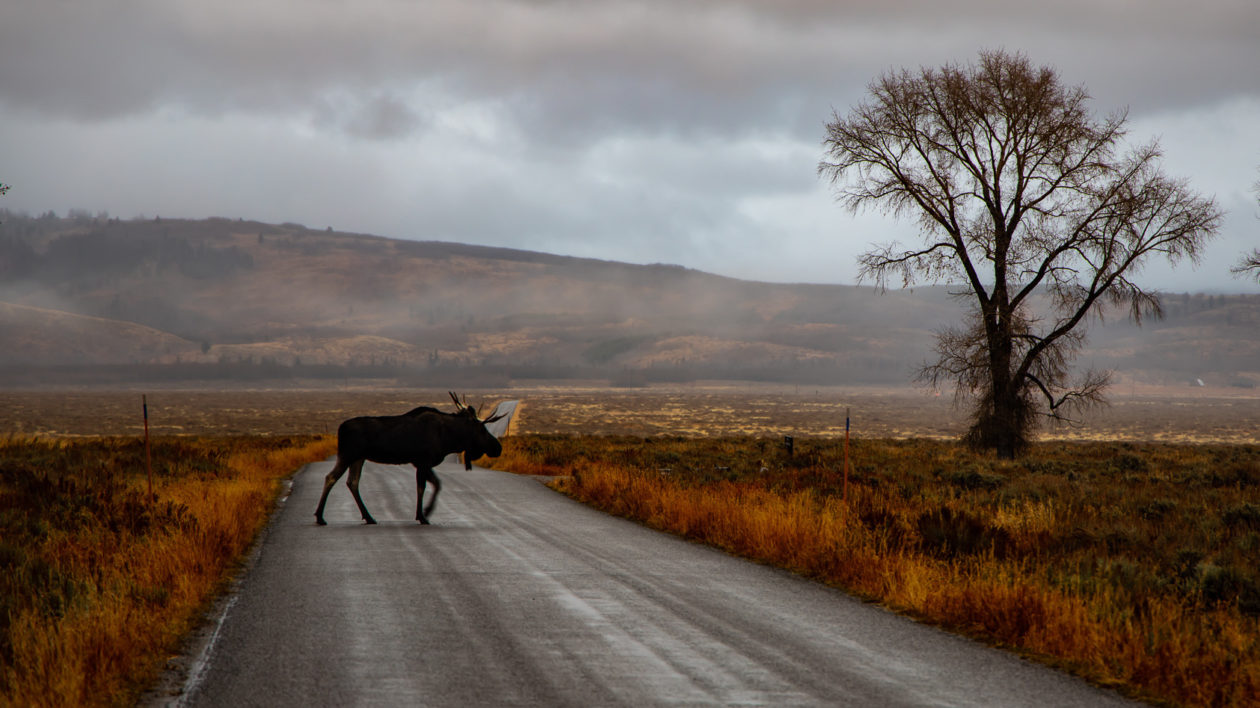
column 1137, row 413
column 1132, row 561
column 1133, row 565
column 97, row 582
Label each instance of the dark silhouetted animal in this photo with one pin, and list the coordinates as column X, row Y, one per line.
column 422, row 437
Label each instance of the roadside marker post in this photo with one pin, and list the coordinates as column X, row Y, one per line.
column 148, row 459
column 845, row 493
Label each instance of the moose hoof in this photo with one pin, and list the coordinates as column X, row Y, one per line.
column 369, row 521
column 319, row 521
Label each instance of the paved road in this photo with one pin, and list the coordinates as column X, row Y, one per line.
column 517, row 595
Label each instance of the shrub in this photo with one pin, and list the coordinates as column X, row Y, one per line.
column 1229, row 585
column 972, row 479
column 1156, row 509
column 1245, row 516
column 949, row 533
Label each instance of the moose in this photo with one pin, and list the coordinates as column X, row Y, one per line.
column 422, row 437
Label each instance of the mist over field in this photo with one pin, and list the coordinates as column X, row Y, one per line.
column 97, row 299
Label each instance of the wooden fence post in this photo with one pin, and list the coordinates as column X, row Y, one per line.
column 148, row 458
column 845, row 494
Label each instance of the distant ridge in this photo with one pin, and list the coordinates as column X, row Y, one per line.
column 215, row 297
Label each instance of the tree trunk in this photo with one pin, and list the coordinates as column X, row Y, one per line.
column 1000, row 424
column 1007, row 436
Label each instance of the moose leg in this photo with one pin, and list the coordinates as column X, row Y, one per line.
column 425, row 475
column 329, row 480
column 353, row 483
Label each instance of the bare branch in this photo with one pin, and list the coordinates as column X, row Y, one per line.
column 1020, row 191
column 1249, row 264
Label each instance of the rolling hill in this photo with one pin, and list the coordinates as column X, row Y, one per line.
column 169, row 298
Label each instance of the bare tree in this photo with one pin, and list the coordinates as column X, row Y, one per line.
column 1020, row 192
column 1250, row 263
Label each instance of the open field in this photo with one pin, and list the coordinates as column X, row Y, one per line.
column 1183, row 414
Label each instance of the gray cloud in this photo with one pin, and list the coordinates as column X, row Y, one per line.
column 598, row 63
column 646, row 130
column 384, row 116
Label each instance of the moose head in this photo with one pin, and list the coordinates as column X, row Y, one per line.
column 478, row 440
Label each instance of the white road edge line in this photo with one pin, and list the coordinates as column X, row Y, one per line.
column 169, row 691
column 202, row 663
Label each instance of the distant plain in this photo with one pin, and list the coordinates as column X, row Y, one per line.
column 1136, row 413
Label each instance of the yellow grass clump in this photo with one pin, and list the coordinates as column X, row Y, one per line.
column 1126, row 565
column 101, row 581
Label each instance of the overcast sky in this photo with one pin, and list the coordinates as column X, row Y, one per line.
column 675, row 131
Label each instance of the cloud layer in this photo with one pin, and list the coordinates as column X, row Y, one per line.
column 644, row 131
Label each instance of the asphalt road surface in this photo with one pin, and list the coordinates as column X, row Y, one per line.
column 517, row 595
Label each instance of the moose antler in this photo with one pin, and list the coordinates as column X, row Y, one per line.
column 463, row 406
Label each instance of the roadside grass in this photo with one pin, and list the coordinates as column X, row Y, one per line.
column 1134, row 565
column 97, row 584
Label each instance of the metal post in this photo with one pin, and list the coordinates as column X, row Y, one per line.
column 845, row 494
column 148, row 459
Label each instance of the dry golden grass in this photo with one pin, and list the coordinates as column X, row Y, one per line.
column 1133, row 566
column 1165, row 611
column 100, row 582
